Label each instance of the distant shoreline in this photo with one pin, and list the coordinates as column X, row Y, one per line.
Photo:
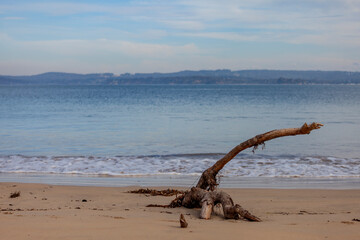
column 185, row 84
column 208, row 77
column 94, row 85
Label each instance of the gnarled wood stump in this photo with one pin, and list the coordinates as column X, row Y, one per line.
column 198, row 197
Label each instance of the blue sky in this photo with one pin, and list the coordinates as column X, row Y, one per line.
column 167, row 36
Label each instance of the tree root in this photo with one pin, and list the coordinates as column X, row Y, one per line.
column 198, row 197
column 206, row 200
column 177, row 202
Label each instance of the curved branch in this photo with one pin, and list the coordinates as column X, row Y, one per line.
column 208, row 178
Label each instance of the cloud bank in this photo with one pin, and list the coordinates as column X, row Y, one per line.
column 164, row 36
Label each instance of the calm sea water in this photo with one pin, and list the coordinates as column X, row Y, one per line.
column 140, row 130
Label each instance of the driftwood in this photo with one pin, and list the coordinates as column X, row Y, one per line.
column 198, row 197
column 208, row 177
column 205, row 195
column 183, row 223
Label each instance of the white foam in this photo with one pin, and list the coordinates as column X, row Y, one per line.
column 243, row 165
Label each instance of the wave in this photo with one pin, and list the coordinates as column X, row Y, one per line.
column 244, row 165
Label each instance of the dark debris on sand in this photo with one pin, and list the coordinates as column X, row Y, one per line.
column 15, row 194
column 168, row 192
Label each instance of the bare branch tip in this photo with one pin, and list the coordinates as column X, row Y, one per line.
column 317, row 125
column 312, row 126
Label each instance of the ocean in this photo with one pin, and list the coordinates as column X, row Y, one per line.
column 135, row 132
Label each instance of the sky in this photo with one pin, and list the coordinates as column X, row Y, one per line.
column 98, row 36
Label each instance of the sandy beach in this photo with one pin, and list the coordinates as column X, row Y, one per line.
column 72, row 212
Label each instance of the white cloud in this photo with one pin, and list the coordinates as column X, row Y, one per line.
column 13, row 18
column 4, row 37
column 331, row 22
column 229, row 36
column 68, row 8
column 151, row 29
column 105, row 46
column 184, row 24
column 264, row 18
column 84, row 56
column 54, row 8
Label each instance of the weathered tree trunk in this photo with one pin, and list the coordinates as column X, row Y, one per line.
column 198, row 197
column 208, row 177
column 205, row 195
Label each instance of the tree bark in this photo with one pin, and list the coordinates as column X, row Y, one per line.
column 208, row 177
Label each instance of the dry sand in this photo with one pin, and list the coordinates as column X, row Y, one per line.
column 66, row 212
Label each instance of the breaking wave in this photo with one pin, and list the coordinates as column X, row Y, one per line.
column 246, row 165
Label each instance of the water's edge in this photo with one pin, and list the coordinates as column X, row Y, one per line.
column 182, row 181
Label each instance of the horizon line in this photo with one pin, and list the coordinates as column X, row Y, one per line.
column 186, row 70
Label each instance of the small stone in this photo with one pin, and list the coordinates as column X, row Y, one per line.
column 183, row 223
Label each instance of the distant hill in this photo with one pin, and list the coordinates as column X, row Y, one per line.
column 189, row 77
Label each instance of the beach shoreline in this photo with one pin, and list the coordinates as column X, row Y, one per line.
column 179, row 180
column 44, row 211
